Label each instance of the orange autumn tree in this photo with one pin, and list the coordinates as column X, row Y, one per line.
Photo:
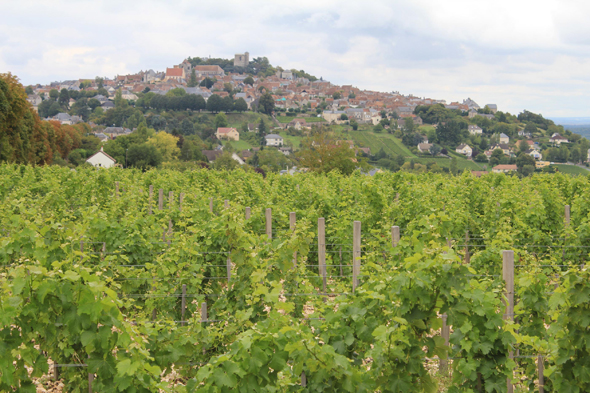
column 24, row 138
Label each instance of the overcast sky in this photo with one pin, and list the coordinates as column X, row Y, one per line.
column 517, row 54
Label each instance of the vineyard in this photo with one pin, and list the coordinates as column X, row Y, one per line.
column 122, row 281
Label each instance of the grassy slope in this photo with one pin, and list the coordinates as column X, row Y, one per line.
column 571, row 169
column 287, row 119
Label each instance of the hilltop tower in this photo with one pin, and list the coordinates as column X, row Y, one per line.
column 242, row 60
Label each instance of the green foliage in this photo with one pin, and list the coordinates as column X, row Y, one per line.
column 266, row 103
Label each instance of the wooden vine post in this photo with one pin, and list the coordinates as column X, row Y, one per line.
column 322, row 252
column 150, row 199
column 567, row 215
column 269, row 223
column 540, row 367
column 356, row 254
column 445, row 334
column 508, row 276
column 160, row 199
column 394, row 236
column 292, row 222
column 180, row 201
column 170, row 200
column 211, row 205
column 226, row 203
column 117, row 189
column 467, row 256
column 183, row 305
column 247, row 213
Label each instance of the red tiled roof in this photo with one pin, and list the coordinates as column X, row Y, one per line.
column 176, row 72
column 225, row 130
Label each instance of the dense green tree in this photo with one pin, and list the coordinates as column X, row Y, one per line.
column 193, row 79
column 144, row 156
column 266, row 104
column 192, row 151
column 225, row 162
column 207, row 82
column 221, row 120
column 249, row 81
column 64, row 98
column 481, row 157
column 449, row 133
column 227, row 104
column 337, row 95
column 531, row 128
column 215, row 103
column 522, row 162
column 54, row 94
column 187, row 127
column 240, row 105
column 29, row 90
column 93, row 103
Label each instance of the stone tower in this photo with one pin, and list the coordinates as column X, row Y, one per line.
column 242, row 60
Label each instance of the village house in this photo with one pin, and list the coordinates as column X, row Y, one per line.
column 227, row 133
column 464, row 149
column 209, row 71
column 274, row 140
column 557, row 139
column 175, row 74
column 424, row 147
column 333, row 116
column 474, row 129
column 504, row 168
column 504, row 138
column 298, row 124
column 101, row 160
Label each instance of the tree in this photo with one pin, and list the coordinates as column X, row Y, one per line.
column 262, row 132
column 177, row 92
column 337, row 95
column 240, row 105
column 214, row 103
column 54, row 94
column 187, row 127
column 221, row 120
column 343, row 116
column 354, row 124
column 530, row 128
column 225, row 162
column 321, row 153
column 207, row 82
column 29, row 90
column 522, row 161
column 523, row 146
column 144, row 156
column 166, row 144
column 409, row 126
column 193, row 79
column 227, row 104
column 266, row 104
column 448, row 133
column 481, row 157
column 249, row 80
column 64, row 98
column 191, row 151
column 93, row 103
column 434, row 150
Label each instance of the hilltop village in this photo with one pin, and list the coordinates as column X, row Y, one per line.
column 243, row 105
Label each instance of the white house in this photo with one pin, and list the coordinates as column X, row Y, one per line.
column 464, row 149
column 474, row 130
column 101, row 159
column 557, row 139
column 274, row 140
column 504, row 138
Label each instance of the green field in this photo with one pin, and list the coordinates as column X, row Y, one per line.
column 287, row 119
column 295, row 140
column 239, row 145
column 237, row 119
column 571, row 169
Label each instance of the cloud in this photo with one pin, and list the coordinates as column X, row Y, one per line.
column 518, row 54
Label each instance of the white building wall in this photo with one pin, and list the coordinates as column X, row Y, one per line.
column 100, row 160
